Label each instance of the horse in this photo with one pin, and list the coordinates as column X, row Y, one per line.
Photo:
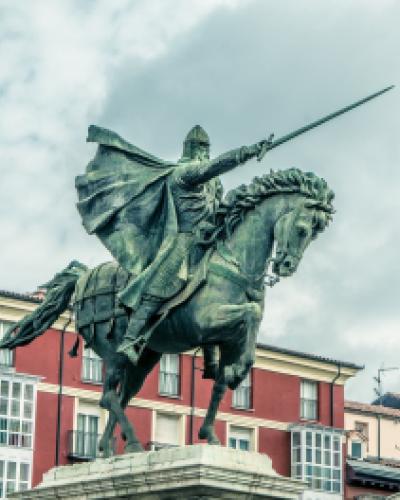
column 266, row 224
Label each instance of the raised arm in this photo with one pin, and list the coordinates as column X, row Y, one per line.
column 199, row 172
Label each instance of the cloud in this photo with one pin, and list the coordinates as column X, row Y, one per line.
column 150, row 71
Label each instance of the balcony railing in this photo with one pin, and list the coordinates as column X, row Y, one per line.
column 84, row 446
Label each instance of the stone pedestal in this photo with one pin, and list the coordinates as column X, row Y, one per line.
column 190, row 473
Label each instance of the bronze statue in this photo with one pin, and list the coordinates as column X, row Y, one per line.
column 190, row 265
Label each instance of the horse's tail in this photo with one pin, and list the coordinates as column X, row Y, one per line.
column 59, row 292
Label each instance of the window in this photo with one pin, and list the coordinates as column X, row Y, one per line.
column 6, row 355
column 356, row 449
column 309, row 400
column 317, row 458
column 241, row 397
column 86, row 436
column 92, row 366
column 168, row 383
column 167, row 430
column 14, row 476
column 240, row 438
column 16, row 413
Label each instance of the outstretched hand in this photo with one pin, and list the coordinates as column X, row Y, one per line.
column 263, row 147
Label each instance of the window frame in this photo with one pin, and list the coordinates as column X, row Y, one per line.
column 91, row 363
column 14, row 416
column 5, row 480
column 316, row 401
column 238, row 429
column 7, row 356
column 360, row 444
column 246, row 386
column 165, row 376
column 313, row 461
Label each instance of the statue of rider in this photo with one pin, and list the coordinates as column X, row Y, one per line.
column 151, row 215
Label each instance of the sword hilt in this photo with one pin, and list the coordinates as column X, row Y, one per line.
column 265, row 146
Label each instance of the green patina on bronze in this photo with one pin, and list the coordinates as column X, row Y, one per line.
column 190, row 265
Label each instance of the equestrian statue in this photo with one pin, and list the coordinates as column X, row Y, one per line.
column 190, row 265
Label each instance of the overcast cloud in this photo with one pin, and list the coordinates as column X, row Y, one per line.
column 242, row 69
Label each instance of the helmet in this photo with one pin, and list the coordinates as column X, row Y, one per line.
column 196, row 136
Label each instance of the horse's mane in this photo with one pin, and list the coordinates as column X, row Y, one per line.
column 240, row 200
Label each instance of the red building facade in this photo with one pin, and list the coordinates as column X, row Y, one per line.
column 291, row 407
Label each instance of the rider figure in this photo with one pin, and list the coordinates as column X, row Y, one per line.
column 196, row 191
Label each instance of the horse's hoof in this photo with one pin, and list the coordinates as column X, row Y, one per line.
column 105, row 452
column 209, row 435
column 133, row 448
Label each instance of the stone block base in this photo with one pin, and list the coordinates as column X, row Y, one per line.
column 191, row 473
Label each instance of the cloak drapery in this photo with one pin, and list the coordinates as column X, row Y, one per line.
column 125, row 199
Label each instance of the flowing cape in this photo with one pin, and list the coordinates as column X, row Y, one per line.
column 125, row 199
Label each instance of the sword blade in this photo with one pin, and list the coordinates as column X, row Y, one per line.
column 326, row 118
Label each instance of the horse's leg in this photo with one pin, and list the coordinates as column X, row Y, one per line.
column 219, row 388
column 112, row 379
column 131, row 384
column 134, row 379
column 105, row 443
column 237, row 357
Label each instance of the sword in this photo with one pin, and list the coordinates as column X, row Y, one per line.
column 271, row 144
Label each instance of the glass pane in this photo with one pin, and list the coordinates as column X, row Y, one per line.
column 243, row 445
column 10, row 487
column 1, row 468
column 26, row 440
column 28, row 393
column 308, row 455
column 93, row 424
column 296, row 438
column 318, row 440
column 24, row 472
column 4, row 385
column 11, row 470
column 297, row 455
column 232, row 443
column 28, row 407
column 3, row 424
column 327, row 458
column 3, row 406
column 15, row 407
column 16, row 390
column 327, row 442
column 318, row 456
column 26, row 427
column 81, row 422
column 15, row 425
column 308, row 438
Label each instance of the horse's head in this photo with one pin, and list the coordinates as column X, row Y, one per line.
column 293, row 232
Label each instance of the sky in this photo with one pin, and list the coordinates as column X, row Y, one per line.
column 150, row 70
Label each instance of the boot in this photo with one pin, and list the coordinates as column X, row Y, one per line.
column 135, row 339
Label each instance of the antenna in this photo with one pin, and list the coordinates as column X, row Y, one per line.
column 379, row 389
